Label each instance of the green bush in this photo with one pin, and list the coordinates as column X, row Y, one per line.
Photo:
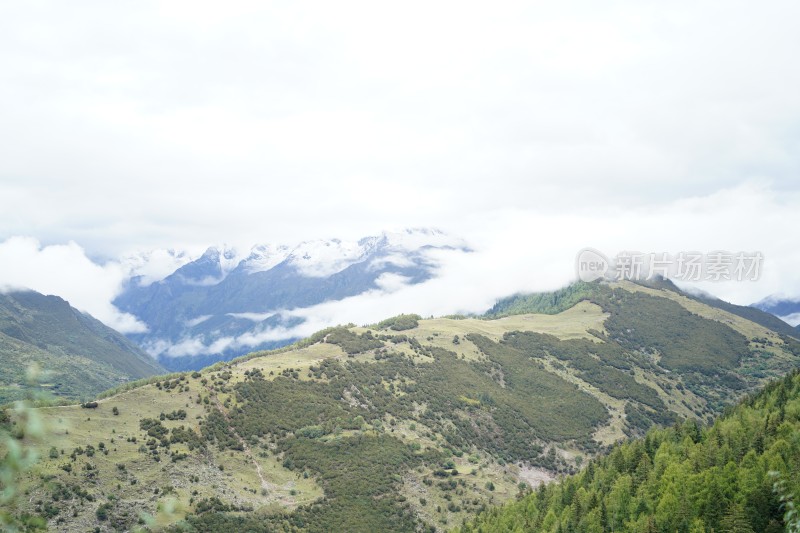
column 400, row 322
column 352, row 343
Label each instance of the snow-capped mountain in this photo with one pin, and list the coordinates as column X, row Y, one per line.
column 211, row 268
column 264, row 257
column 229, row 302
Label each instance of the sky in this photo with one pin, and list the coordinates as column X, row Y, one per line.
column 529, row 129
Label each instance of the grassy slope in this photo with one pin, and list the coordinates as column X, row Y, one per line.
column 446, row 396
column 66, row 375
column 81, row 355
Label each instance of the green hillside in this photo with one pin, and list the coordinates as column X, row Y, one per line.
column 79, row 355
column 739, row 475
column 406, row 425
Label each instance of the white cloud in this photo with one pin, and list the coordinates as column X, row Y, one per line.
column 192, row 346
column 390, row 282
column 154, row 265
column 197, row 320
column 793, row 319
column 64, row 270
column 139, row 125
column 396, row 259
column 255, row 317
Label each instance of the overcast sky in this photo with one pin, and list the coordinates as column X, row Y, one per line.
column 530, row 129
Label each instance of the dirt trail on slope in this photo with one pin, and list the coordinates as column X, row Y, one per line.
column 264, row 483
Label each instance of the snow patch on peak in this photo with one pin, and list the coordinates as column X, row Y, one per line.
column 316, row 259
column 319, row 259
column 324, row 258
column 227, row 257
column 264, row 257
column 210, row 268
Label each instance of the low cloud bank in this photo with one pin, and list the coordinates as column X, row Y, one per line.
column 64, row 270
column 793, row 319
column 513, row 251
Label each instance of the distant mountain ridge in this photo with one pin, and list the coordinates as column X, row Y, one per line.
column 80, row 355
column 787, row 309
column 558, row 301
column 226, row 303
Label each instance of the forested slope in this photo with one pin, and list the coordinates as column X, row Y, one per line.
column 738, row 475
